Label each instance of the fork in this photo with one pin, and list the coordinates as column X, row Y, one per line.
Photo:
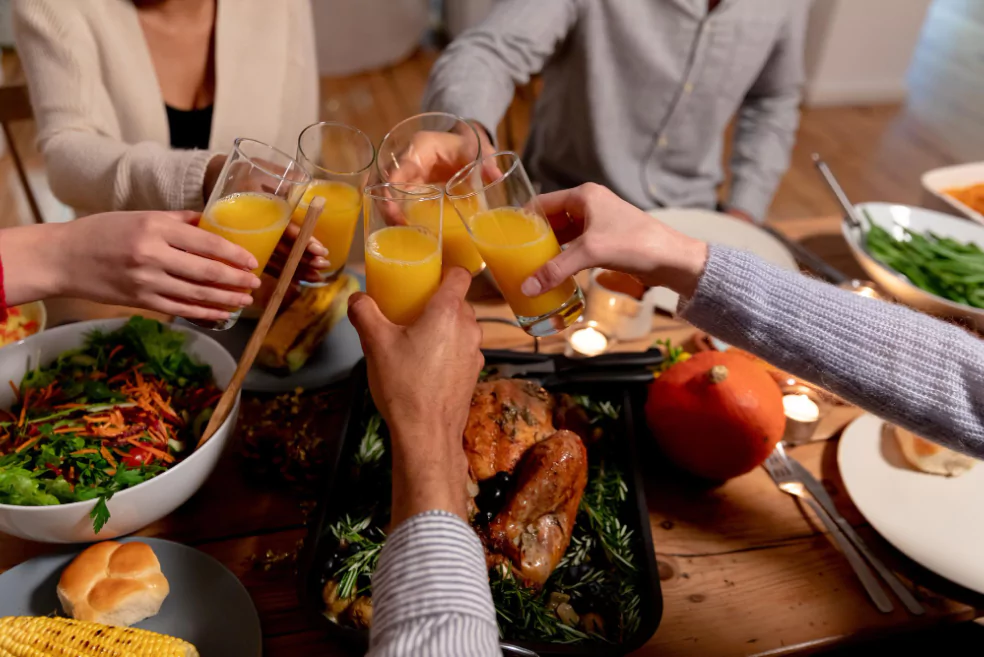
column 788, row 482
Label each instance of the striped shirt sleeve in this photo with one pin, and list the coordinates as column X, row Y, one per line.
column 431, row 593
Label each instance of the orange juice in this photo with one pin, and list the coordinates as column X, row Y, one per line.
column 251, row 220
column 403, row 270
column 515, row 244
column 458, row 248
column 336, row 225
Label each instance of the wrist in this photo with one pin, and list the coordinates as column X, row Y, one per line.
column 683, row 265
column 34, row 262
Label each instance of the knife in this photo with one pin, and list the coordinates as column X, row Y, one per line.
column 809, row 259
column 820, row 495
column 611, row 364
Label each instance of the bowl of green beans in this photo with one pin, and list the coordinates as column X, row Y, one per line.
column 931, row 261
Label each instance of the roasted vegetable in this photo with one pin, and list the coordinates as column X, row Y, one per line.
column 37, row 636
column 299, row 330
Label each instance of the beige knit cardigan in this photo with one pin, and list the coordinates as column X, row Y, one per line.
column 102, row 123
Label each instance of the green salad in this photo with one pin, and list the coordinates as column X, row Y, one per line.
column 125, row 407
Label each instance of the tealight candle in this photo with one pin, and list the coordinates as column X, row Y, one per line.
column 800, row 408
column 588, row 341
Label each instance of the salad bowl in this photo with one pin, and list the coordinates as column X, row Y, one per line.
column 132, row 508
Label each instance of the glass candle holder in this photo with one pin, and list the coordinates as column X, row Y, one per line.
column 803, row 410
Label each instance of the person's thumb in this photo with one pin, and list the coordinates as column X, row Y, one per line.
column 556, row 271
column 369, row 322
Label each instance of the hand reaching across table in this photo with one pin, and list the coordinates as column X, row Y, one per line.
column 155, row 260
column 916, row 371
column 430, row 592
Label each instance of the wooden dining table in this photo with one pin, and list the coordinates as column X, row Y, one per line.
column 744, row 569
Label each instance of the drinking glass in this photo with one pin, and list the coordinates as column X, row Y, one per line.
column 406, row 155
column 339, row 158
column 495, row 199
column 403, row 260
column 250, row 205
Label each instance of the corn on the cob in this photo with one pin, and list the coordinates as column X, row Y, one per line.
column 40, row 636
column 300, row 329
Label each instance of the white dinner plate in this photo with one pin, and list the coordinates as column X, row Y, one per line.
column 933, row 520
column 332, row 361
column 207, row 605
column 962, row 175
column 719, row 228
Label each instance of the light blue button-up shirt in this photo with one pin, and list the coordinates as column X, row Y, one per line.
column 637, row 94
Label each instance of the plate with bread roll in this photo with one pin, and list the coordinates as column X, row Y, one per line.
column 129, row 597
column 923, row 498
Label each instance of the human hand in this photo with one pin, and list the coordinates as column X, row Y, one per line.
column 602, row 230
column 434, row 157
column 422, row 377
column 312, row 264
column 155, row 260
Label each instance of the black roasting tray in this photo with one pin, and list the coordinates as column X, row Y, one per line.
column 333, row 502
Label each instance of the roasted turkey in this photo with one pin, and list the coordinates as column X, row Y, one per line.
column 511, row 430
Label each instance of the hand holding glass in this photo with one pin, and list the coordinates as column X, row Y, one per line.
column 495, row 199
column 403, row 261
column 339, row 159
column 251, row 203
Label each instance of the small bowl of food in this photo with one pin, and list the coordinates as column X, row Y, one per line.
column 99, row 426
column 928, row 260
column 22, row 322
column 961, row 187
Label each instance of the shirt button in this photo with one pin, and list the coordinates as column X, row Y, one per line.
column 663, row 142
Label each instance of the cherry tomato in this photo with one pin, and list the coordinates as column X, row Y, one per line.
column 137, row 457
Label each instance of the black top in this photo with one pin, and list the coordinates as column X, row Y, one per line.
column 189, row 128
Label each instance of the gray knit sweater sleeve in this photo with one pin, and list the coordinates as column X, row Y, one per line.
column 918, row 372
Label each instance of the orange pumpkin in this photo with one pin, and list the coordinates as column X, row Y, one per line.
column 716, row 415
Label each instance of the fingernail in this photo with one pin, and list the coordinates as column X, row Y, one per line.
column 252, row 263
column 317, row 249
column 321, row 263
column 531, row 287
column 245, row 300
column 256, row 282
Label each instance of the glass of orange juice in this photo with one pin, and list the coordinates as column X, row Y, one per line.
column 251, row 203
column 403, row 157
column 339, row 159
column 403, row 260
column 497, row 203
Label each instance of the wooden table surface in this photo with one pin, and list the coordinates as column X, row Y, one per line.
column 744, row 570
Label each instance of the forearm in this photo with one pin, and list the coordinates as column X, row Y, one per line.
column 476, row 76
column 33, row 261
column 98, row 174
column 431, row 593
column 921, row 373
column 432, row 479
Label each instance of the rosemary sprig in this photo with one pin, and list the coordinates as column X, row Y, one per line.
column 366, row 544
column 604, row 496
column 628, row 607
column 371, row 447
column 524, row 611
column 598, row 410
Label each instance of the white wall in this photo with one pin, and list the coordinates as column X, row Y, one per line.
column 858, row 51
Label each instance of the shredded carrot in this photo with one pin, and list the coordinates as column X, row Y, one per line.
column 61, row 407
column 27, row 444
column 106, row 455
column 23, row 414
column 156, row 452
column 16, row 390
column 65, row 430
column 82, row 452
column 115, row 351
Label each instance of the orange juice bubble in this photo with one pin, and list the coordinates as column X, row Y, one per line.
column 403, row 270
column 251, row 220
column 336, row 225
column 515, row 244
column 458, row 248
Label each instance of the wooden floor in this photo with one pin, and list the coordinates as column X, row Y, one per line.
column 879, row 152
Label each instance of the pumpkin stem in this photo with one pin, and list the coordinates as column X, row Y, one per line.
column 717, row 374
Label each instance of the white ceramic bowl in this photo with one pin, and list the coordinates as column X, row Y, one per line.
column 133, row 508
column 938, row 181
column 919, row 220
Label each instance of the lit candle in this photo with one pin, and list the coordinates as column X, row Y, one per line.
column 800, row 408
column 588, row 341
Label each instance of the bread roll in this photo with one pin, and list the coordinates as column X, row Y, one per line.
column 932, row 458
column 114, row 584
